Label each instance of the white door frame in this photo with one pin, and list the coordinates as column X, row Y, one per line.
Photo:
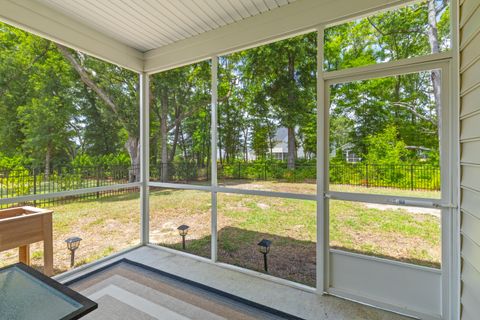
column 442, row 61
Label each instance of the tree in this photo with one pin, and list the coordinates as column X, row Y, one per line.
column 180, row 105
column 90, row 108
column 385, row 148
column 38, row 108
column 117, row 88
column 285, row 72
column 231, row 119
column 409, row 102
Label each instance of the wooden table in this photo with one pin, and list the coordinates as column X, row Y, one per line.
column 22, row 226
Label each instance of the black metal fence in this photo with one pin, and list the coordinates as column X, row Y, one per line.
column 412, row 176
column 32, row 181
column 180, row 172
column 401, row 176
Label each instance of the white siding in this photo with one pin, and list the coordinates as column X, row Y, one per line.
column 470, row 156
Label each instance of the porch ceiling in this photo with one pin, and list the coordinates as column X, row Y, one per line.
column 149, row 24
column 155, row 35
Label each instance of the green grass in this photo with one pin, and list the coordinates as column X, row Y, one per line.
column 106, row 225
column 243, row 220
column 112, row 224
column 393, row 233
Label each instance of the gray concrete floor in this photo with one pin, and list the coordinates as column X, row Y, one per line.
column 284, row 297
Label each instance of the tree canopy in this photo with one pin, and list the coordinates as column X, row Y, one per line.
column 60, row 106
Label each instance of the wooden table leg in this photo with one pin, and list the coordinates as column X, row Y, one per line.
column 47, row 245
column 24, row 254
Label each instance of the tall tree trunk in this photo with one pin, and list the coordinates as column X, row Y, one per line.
column 175, row 142
column 291, row 149
column 48, row 160
column 291, row 102
column 133, row 147
column 153, row 148
column 245, row 144
column 435, row 48
column 175, row 132
column 220, row 155
column 164, row 134
column 183, row 145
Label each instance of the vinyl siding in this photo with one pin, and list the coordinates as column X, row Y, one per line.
column 470, row 156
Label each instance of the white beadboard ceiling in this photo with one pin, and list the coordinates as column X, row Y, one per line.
column 150, row 24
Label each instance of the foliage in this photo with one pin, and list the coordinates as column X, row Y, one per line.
column 49, row 116
column 385, row 148
column 85, row 160
column 180, row 127
column 87, row 114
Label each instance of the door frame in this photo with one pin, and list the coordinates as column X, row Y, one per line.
column 447, row 203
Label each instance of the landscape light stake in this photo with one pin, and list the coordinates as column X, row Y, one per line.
column 264, row 248
column 183, row 231
column 72, row 244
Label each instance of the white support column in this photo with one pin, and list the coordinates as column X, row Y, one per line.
column 322, row 172
column 144, row 156
column 456, row 267
column 214, row 139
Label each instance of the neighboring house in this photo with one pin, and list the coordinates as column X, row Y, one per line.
column 347, row 150
column 351, row 157
column 420, row 152
column 280, row 149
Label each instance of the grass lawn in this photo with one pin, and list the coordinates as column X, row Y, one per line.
column 106, row 226
column 403, row 234
column 112, row 224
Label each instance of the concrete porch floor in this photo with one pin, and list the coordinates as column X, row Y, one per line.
column 283, row 297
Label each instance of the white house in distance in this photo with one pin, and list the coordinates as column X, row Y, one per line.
column 280, row 150
column 347, row 150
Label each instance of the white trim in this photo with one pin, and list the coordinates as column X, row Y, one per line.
column 268, row 193
column 144, row 110
column 322, row 246
column 169, row 185
column 448, row 156
column 389, row 199
column 214, row 139
column 370, row 280
column 296, row 18
column 274, row 194
column 455, row 253
column 391, row 68
column 386, row 261
column 68, row 193
column 447, row 178
column 44, row 21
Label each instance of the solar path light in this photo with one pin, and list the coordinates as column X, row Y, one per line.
column 72, row 244
column 264, row 248
column 183, row 231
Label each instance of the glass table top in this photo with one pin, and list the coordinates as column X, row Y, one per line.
column 25, row 296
